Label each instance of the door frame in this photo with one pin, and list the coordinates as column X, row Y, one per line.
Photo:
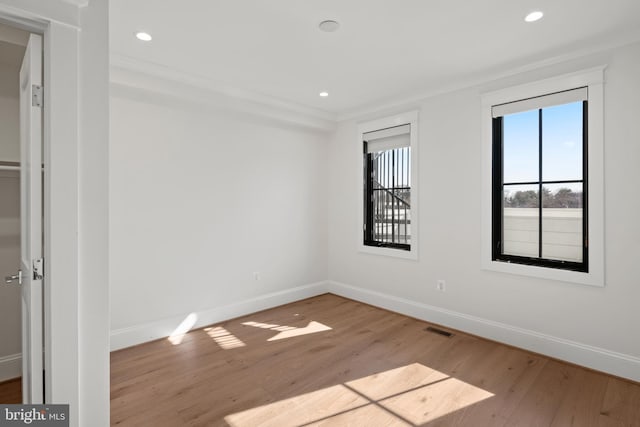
column 61, row 201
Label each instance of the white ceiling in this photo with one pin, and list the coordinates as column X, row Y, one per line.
column 385, row 50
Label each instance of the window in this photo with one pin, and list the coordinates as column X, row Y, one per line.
column 387, row 195
column 389, row 203
column 543, row 179
column 539, row 181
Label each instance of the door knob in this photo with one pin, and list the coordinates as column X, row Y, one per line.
column 15, row 277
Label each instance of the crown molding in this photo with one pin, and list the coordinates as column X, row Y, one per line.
column 131, row 74
column 484, row 79
column 36, row 16
column 78, row 3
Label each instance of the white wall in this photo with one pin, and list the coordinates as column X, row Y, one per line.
column 200, row 199
column 449, row 185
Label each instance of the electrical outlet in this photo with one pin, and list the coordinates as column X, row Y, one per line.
column 256, row 275
column 441, row 285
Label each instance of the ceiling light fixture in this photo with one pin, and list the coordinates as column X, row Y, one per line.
column 329, row 26
column 145, row 37
column 534, row 16
column 324, row 94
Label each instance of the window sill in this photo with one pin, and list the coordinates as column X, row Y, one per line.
column 590, row 279
column 390, row 252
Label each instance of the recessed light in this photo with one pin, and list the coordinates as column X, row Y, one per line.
column 145, row 37
column 329, row 26
column 324, row 94
column 534, row 16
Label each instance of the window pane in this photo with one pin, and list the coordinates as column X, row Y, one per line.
column 404, row 218
column 391, row 196
column 562, row 142
column 521, row 147
column 562, row 222
column 381, row 226
column 520, row 220
column 403, row 167
column 392, row 217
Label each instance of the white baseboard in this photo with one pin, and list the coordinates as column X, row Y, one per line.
column 600, row 359
column 10, row 367
column 127, row 337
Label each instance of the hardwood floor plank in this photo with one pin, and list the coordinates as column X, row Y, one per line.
column 508, row 374
column 621, row 404
column 11, row 391
column 581, row 404
column 543, row 399
column 330, row 361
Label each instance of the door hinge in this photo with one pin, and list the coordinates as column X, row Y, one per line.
column 36, row 96
column 38, row 269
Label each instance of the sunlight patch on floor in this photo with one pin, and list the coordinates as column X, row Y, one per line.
column 427, row 403
column 300, row 410
column 225, row 339
column 395, row 381
column 409, row 395
column 417, row 393
column 178, row 334
column 290, row 331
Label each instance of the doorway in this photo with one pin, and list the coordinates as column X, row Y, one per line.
column 13, row 43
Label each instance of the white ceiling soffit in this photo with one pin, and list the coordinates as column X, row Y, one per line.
column 156, row 82
column 384, row 53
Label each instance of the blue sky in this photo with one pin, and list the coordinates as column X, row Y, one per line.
column 561, row 150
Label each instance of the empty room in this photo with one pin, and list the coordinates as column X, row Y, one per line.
column 305, row 213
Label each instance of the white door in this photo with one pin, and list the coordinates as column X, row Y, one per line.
column 31, row 220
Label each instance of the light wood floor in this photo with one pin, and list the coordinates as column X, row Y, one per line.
column 284, row 367
column 11, row 391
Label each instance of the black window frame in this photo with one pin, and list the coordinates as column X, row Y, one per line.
column 369, row 209
column 498, row 199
